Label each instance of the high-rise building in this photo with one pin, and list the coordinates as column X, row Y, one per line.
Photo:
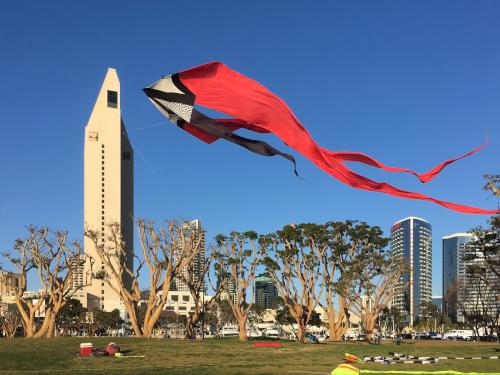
column 230, row 293
column 454, row 249
column 411, row 239
column 108, row 186
column 265, row 291
column 438, row 302
column 194, row 231
column 464, row 291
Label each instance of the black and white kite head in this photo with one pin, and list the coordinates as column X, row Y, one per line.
column 172, row 98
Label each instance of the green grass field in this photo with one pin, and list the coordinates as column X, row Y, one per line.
column 225, row 356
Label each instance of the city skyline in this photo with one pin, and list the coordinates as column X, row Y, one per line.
column 373, row 81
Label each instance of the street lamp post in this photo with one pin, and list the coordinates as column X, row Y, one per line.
column 203, row 312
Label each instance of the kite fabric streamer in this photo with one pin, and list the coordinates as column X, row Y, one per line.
column 255, row 108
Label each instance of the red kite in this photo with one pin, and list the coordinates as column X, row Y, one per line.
column 255, row 108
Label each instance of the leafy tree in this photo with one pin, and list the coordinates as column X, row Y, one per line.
column 72, row 312
column 293, row 262
column 432, row 317
column 284, row 317
column 347, row 243
column 225, row 313
column 256, row 313
column 391, row 319
column 237, row 258
column 106, row 321
column 370, row 275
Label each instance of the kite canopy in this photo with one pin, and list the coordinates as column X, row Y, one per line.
column 255, row 108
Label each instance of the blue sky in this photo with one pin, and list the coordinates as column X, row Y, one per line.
column 409, row 83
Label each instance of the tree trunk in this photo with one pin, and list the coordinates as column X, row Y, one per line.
column 130, row 308
column 191, row 324
column 52, row 326
column 243, row 330
column 369, row 326
column 147, row 329
column 10, row 331
column 42, row 331
column 28, row 328
column 301, row 334
column 336, row 325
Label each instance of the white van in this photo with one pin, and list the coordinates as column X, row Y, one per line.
column 459, row 334
column 230, row 331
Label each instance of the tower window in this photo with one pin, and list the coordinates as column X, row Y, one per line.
column 93, row 136
column 112, row 99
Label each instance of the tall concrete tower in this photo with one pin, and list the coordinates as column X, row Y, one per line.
column 108, row 184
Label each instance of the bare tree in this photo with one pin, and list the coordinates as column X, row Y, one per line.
column 10, row 319
column 195, row 280
column 166, row 250
column 57, row 264
column 237, row 258
column 293, row 263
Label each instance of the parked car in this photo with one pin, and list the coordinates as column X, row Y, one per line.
column 435, row 336
column 459, row 334
column 421, row 336
column 230, row 330
column 311, row 338
column 273, row 332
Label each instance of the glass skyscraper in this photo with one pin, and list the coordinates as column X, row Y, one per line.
column 465, row 292
column 265, row 291
column 454, row 248
column 411, row 239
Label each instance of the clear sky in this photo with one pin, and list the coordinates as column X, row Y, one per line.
column 410, row 83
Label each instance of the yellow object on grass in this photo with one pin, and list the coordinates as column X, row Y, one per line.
column 441, row 372
column 345, row 369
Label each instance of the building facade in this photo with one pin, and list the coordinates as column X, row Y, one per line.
column 464, row 291
column 229, row 292
column 192, row 229
column 182, row 303
column 411, row 239
column 9, row 283
column 438, row 302
column 265, row 291
column 108, row 187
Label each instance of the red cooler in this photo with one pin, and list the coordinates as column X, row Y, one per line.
column 86, row 348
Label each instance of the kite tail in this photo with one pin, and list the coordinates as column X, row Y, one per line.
column 423, row 177
column 358, row 181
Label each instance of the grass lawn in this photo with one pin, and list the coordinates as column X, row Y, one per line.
column 226, row 356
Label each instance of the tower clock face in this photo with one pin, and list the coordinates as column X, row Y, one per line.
column 93, row 136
